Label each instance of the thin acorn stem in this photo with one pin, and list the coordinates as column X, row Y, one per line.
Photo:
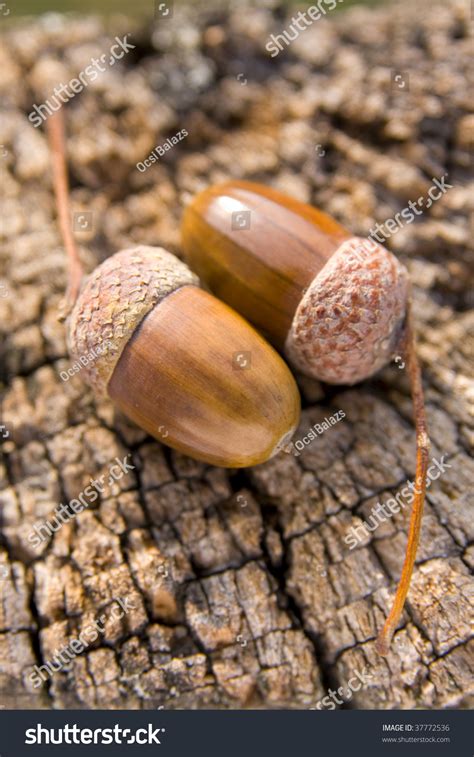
column 422, row 452
column 56, row 130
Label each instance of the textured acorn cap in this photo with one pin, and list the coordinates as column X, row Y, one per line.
column 350, row 319
column 113, row 301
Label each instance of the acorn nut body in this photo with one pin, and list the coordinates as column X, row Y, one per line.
column 181, row 364
column 334, row 303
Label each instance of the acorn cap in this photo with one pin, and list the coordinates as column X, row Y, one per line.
column 113, row 301
column 350, row 319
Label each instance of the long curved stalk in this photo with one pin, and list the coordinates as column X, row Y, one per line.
column 422, row 453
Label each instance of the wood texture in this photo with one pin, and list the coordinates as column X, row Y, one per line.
column 198, row 376
column 262, row 267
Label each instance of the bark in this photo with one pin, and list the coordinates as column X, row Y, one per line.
column 241, row 589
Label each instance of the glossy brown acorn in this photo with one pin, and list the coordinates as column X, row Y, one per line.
column 334, row 303
column 180, row 363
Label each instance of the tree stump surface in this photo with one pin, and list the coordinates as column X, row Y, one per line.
column 241, row 589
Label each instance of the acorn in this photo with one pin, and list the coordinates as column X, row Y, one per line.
column 335, row 304
column 179, row 363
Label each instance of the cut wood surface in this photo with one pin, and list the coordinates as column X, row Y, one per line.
column 240, row 588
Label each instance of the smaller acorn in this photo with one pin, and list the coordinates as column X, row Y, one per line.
column 182, row 365
column 335, row 304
